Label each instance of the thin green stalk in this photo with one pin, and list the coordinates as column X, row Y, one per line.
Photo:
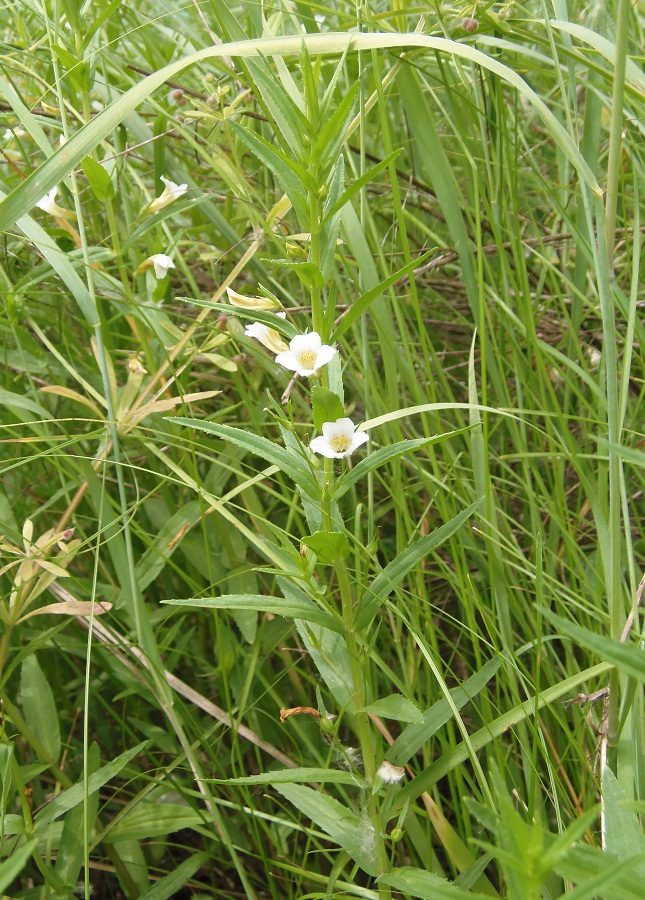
column 615, row 129
column 606, row 276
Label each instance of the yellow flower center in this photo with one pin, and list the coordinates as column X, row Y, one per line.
column 340, row 443
column 307, row 359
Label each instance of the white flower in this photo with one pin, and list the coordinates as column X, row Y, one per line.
column 338, row 439
column 161, row 264
column 18, row 132
column 389, row 773
column 306, row 354
column 253, row 303
column 49, row 205
column 268, row 337
column 171, row 192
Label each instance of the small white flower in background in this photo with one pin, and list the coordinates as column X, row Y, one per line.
column 338, row 439
column 171, row 192
column 48, row 204
column 306, row 354
column 594, row 356
column 97, row 106
column 10, row 134
column 268, row 337
column 389, row 773
column 161, row 264
column 319, row 19
column 253, row 303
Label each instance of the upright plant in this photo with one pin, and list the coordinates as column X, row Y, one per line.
column 333, row 611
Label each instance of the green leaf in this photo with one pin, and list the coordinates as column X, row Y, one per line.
column 492, row 730
column 332, row 134
column 356, row 186
column 628, row 659
column 294, row 776
column 308, row 272
column 145, row 819
column 291, row 177
column 394, row 573
column 298, row 608
column 623, row 834
column 336, row 820
column 384, row 455
column 362, row 303
column 69, row 859
column 328, row 546
column 171, row 884
column 39, row 707
column 396, row 707
column 100, row 181
column 290, row 121
column 12, row 867
column 74, row 795
column 419, row 883
column 290, row 463
column 50, row 173
column 327, row 406
column 18, row 401
column 414, row 737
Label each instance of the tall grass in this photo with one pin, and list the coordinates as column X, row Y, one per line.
column 232, row 667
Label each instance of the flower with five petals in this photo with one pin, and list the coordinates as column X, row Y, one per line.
column 306, row 354
column 338, row 439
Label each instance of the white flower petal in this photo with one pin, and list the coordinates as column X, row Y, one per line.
column 338, row 439
column 306, row 354
column 171, row 192
column 162, row 263
column 268, row 337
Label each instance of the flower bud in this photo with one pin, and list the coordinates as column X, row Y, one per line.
column 253, row 303
column 469, row 24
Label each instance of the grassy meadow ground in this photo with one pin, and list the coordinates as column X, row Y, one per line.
column 405, row 661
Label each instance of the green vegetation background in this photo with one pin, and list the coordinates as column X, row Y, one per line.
column 450, row 194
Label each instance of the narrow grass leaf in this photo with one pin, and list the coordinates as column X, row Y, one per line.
column 453, row 758
column 74, row 795
column 627, row 658
column 394, row 573
column 362, row 303
column 384, row 455
column 415, row 736
column 12, row 867
column 81, row 144
column 291, row 464
column 171, row 885
column 307, row 611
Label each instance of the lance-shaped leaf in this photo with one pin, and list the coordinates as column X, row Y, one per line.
column 394, row 573
column 293, row 465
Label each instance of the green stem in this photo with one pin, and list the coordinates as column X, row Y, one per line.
column 609, row 351
column 615, row 131
column 361, row 720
